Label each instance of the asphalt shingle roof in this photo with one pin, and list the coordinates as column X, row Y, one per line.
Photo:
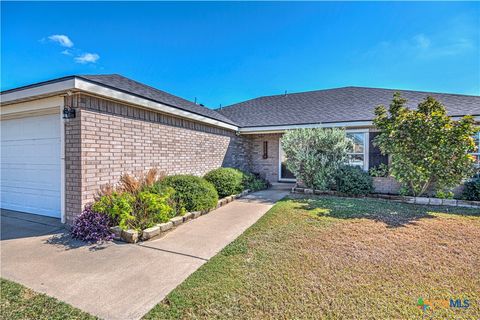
column 335, row 105
column 119, row 82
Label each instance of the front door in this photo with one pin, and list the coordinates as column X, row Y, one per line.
column 284, row 173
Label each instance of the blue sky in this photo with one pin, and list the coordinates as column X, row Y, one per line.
column 224, row 53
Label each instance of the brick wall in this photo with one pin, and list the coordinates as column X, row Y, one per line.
column 268, row 168
column 73, row 172
column 108, row 139
column 386, row 185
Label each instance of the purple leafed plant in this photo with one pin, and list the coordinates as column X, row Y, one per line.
column 92, row 226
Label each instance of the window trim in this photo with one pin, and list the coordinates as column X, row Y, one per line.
column 366, row 145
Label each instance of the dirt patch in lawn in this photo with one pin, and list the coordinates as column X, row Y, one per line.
column 337, row 258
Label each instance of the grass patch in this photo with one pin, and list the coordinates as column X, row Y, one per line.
column 338, row 258
column 19, row 302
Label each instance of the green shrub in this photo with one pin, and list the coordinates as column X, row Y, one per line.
column 315, row 154
column 379, row 171
column 158, row 188
column 427, row 147
column 472, row 190
column 227, row 181
column 444, row 194
column 254, row 182
column 135, row 211
column 118, row 206
column 353, row 181
column 152, row 208
column 192, row 193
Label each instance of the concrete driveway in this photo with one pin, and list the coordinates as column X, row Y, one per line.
column 118, row 280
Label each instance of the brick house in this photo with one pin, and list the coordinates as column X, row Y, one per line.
column 62, row 139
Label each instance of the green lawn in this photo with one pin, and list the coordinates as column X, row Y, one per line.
column 337, row 258
column 19, row 302
column 320, row 257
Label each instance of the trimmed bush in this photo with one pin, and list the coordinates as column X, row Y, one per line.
column 158, row 188
column 92, row 226
column 381, row 170
column 136, row 211
column 254, row 182
column 152, row 208
column 472, row 190
column 353, row 181
column 227, row 181
column 117, row 206
column 315, row 154
column 191, row 192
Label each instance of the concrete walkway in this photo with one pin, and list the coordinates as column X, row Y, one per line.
column 117, row 280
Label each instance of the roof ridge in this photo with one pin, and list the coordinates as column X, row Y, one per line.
column 279, row 95
column 419, row 91
column 346, row 87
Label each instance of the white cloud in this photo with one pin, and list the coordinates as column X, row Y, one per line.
column 61, row 39
column 66, row 52
column 455, row 39
column 422, row 46
column 422, row 42
column 87, row 58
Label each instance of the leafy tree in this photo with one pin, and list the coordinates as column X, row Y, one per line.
column 314, row 155
column 428, row 149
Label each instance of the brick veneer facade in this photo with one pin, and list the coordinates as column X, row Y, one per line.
column 107, row 139
column 386, row 185
column 267, row 168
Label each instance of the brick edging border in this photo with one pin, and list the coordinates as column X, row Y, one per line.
column 133, row 236
column 405, row 199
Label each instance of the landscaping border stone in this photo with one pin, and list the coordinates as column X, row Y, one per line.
column 133, row 236
column 130, row 236
column 405, row 199
column 177, row 221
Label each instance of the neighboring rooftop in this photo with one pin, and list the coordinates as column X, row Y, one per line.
column 335, row 105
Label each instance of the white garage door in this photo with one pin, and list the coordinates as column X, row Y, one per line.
column 30, row 164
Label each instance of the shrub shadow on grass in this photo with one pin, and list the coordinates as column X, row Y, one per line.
column 65, row 241
column 393, row 214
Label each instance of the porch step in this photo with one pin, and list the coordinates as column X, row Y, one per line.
column 282, row 185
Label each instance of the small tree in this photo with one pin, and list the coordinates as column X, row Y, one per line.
column 427, row 148
column 314, row 155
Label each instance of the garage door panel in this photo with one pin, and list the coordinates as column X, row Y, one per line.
column 37, row 204
column 30, row 165
column 46, row 178
column 34, row 152
column 38, row 127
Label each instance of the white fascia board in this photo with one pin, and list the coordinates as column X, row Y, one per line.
column 278, row 129
column 126, row 97
column 92, row 88
column 346, row 125
column 41, row 90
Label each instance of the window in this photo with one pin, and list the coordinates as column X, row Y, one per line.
column 265, row 149
column 476, row 154
column 357, row 155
